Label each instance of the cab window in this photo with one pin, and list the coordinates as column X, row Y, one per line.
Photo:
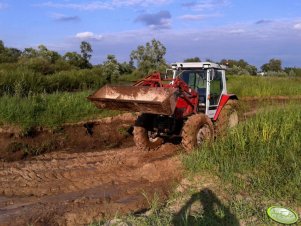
column 216, row 87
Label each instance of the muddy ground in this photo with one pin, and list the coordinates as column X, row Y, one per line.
column 84, row 172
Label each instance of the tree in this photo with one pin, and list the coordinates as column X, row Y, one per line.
column 150, row 57
column 2, row 48
column 111, row 68
column 239, row 67
column 194, row 59
column 126, row 68
column 86, row 50
column 29, row 53
column 273, row 65
column 75, row 59
column 8, row 55
column 49, row 55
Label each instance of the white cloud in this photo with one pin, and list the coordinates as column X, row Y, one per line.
column 206, row 4
column 297, row 26
column 88, row 35
column 236, row 31
column 102, row 5
column 191, row 17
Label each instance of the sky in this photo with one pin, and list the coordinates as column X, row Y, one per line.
column 255, row 31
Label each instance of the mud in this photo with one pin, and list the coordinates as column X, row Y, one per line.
column 108, row 133
column 62, row 188
column 84, row 172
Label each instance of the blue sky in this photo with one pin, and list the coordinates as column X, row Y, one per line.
column 233, row 29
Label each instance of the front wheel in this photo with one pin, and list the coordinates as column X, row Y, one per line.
column 144, row 141
column 197, row 129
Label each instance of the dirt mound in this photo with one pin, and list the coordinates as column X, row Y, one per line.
column 73, row 188
column 86, row 136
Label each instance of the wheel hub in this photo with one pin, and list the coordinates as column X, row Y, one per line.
column 203, row 134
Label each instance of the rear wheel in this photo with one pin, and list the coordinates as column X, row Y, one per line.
column 228, row 117
column 197, row 129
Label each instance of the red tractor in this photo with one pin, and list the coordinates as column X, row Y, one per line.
column 191, row 105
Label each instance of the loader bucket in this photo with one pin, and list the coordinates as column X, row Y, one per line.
column 155, row 100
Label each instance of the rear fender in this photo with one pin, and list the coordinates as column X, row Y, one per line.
column 224, row 99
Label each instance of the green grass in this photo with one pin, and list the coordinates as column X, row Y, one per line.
column 48, row 110
column 257, row 165
column 263, row 86
column 262, row 155
column 23, row 82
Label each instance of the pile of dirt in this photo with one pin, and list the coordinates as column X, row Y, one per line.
column 112, row 132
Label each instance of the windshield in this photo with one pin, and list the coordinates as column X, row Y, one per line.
column 193, row 78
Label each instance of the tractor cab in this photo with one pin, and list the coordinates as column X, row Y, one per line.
column 207, row 79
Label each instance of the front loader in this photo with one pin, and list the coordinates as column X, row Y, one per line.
column 192, row 105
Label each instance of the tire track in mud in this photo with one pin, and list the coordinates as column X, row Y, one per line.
column 62, row 188
column 75, row 187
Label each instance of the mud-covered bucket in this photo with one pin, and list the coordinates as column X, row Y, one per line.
column 155, row 100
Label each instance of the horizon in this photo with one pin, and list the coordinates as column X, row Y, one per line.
column 214, row 29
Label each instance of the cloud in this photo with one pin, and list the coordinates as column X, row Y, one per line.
column 297, row 26
column 64, row 18
column 88, row 35
column 206, row 4
column 263, row 21
column 195, row 17
column 256, row 44
column 158, row 20
column 78, row 6
column 102, row 5
column 192, row 17
column 236, row 31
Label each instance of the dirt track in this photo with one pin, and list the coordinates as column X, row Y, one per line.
column 73, row 188
column 83, row 175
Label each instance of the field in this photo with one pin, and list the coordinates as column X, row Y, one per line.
column 64, row 162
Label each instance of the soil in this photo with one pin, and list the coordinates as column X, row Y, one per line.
column 108, row 133
column 82, row 176
column 83, row 172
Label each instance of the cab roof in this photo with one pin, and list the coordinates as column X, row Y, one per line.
column 202, row 65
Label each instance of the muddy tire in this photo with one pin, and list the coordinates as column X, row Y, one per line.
column 197, row 129
column 228, row 118
column 142, row 140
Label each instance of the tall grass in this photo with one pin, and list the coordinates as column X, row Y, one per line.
column 48, row 110
column 22, row 81
column 261, row 155
column 264, row 86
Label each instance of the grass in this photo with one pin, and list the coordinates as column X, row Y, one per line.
column 263, row 86
column 260, row 156
column 23, row 82
column 255, row 166
column 48, row 110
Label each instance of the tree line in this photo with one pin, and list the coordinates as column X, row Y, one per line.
column 35, row 70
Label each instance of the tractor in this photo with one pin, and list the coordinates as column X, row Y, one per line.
column 189, row 104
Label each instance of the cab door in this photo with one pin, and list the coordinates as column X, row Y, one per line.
column 215, row 88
